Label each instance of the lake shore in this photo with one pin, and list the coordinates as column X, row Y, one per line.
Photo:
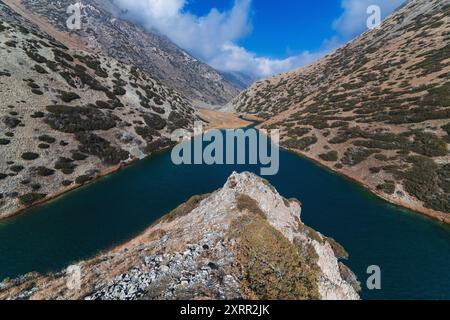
column 225, row 120
column 436, row 215
column 215, row 120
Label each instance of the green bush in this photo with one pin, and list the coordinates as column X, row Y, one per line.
column 29, row 156
column 331, row 156
column 17, row 168
column 82, row 179
column 101, row 148
column 69, row 96
column 40, row 69
column 4, row 142
column 388, row 187
column 44, row 172
column 66, row 165
column 30, row 198
column 46, row 138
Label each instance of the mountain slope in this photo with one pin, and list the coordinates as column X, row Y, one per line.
column 69, row 116
column 244, row 241
column 376, row 110
column 105, row 32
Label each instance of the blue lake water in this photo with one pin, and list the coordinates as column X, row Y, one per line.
column 412, row 251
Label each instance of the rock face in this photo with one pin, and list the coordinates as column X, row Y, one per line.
column 376, row 109
column 244, row 241
column 68, row 116
column 106, row 32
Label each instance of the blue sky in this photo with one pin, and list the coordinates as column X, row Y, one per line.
column 280, row 31
column 256, row 37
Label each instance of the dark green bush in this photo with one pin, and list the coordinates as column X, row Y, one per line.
column 69, row 96
column 30, row 198
column 67, row 183
column 40, row 69
column 77, row 119
column 4, row 142
column 37, row 114
column 330, row 156
column 44, row 146
column 154, row 121
column 388, row 187
column 17, row 168
column 101, row 148
column 30, row 156
column 44, row 172
column 78, row 156
column 46, row 138
column 82, row 179
column 66, row 165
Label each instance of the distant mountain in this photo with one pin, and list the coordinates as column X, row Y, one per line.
column 105, row 32
column 376, row 110
column 69, row 116
column 239, row 79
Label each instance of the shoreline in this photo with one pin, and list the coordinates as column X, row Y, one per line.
column 235, row 121
column 430, row 213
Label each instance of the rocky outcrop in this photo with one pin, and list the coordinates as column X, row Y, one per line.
column 244, row 241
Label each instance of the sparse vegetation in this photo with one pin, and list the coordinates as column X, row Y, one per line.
column 31, row 198
column 29, row 156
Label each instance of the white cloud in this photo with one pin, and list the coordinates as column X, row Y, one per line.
column 213, row 38
column 354, row 19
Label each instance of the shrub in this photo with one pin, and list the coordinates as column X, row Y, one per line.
column 101, row 148
column 30, row 198
column 29, row 156
column 37, row 92
column 331, row 156
column 388, row 187
column 47, row 139
column 65, row 165
column 40, row 69
column 119, row 91
column 154, row 121
column 69, row 96
column 78, row 156
column 83, row 179
column 67, row 183
column 77, row 119
column 4, row 142
column 37, row 114
column 44, row 172
column 104, row 105
column 3, row 176
column 11, row 122
column 17, row 168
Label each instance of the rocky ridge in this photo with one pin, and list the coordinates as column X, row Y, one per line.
column 244, row 241
column 105, row 31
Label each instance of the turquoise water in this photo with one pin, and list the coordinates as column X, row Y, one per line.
column 412, row 251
